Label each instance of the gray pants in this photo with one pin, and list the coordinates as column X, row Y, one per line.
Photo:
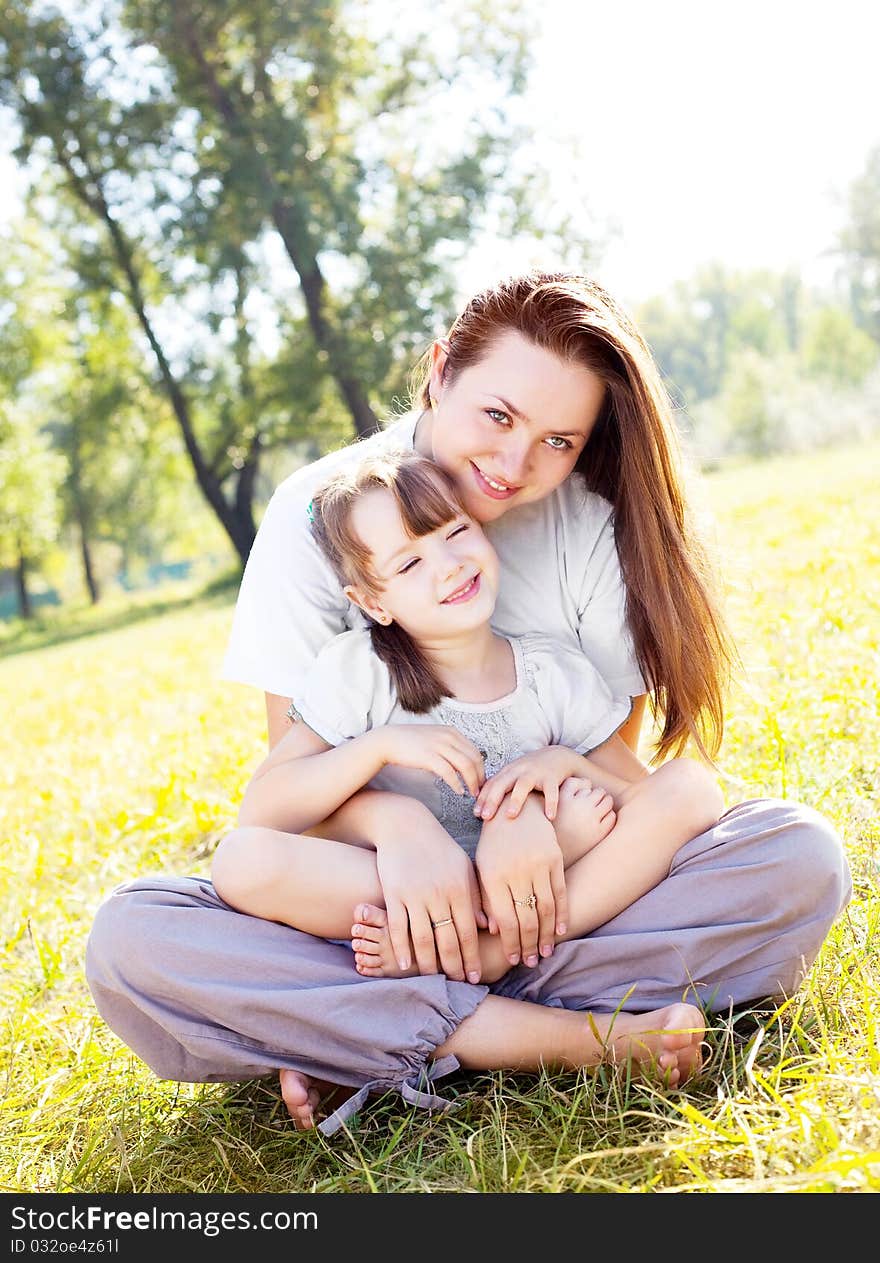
column 204, row 993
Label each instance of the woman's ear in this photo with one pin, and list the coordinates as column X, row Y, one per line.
column 366, row 603
column 439, row 356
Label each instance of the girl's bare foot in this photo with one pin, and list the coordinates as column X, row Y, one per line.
column 584, row 817
column 302, row 1095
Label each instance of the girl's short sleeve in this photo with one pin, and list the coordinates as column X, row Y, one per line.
column 581, row 709
column 347, row 690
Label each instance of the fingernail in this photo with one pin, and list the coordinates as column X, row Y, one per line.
column 477, row 811
column 514, row 960
column 561, row 927
column 473, row 976
column 546, row 950
column 403, row 963
column 532, row 961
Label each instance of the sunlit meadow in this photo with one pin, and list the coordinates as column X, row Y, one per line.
column 123, row 753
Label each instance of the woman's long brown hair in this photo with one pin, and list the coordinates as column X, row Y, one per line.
column 427, row 499
column 633, row 459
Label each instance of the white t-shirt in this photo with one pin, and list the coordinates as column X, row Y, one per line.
column 559, row 699
column 560, row 576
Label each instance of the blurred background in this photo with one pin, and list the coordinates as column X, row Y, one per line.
column 229, row 231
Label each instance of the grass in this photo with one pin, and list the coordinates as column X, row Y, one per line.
column 123, row 753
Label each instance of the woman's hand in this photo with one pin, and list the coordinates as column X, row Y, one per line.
column 542, row 770
column 428, row 879
column 518, row 857
column 436, row 748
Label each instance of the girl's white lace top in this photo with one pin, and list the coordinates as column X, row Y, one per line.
column 559, row 699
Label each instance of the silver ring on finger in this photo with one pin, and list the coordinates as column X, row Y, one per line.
column 531, row 902
column 442, row 921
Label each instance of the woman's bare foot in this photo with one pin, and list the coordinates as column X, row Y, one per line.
column 668, row 1041
column 302, row 1095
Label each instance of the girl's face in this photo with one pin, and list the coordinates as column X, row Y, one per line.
column 510, row 428
column 436, row 586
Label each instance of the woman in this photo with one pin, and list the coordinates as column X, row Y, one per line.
column 545, row 408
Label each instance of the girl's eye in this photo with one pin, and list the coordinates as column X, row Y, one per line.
column 409, row 565
column 557, row 438
column 458, row 530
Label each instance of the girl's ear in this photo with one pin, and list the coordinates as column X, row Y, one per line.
column 366, row 603
column 439, row 356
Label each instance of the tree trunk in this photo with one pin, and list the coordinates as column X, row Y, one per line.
column 82, row 523
column 88, row 570
column 240, row 533
column 24, row 601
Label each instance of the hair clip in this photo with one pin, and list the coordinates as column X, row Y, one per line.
column 310, row 512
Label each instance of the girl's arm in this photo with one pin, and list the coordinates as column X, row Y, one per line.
column 304, row 780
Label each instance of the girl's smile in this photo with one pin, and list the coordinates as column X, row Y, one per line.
column 464, row 593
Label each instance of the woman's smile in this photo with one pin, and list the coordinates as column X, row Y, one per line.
column 491, row 486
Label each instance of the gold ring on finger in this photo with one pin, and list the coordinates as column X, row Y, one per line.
column 531, row 902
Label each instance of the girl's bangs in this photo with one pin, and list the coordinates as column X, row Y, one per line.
column 427, row 500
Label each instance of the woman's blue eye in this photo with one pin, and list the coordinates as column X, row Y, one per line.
column 495, row 413
column 566, row 446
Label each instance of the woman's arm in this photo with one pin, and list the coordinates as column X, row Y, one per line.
column 631, row 731
column 303, row 780
column 276, row 717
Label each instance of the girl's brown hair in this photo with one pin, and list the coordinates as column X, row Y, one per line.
column 633, row 459
column 427, row 499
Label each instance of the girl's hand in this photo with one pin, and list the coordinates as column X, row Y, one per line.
column 426, row 877
column 516, row 858
column 436, row 748
column 543, row 770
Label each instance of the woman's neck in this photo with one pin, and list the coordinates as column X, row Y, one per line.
column 478, row 668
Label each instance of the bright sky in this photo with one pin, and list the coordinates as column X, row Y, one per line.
column 706, row 130
column 699, row 129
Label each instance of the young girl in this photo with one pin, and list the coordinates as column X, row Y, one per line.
column 429, row 701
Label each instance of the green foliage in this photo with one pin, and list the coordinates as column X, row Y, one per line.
column 836, row 350
column 246, row 179
column 30, row 477
column 129, row 756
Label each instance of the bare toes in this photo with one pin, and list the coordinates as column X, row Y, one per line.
column 369, row 915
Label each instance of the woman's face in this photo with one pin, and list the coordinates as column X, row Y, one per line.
column 436, row 586
column 510, row 428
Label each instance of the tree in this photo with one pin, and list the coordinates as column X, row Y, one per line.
column 836, row 349
column 246, row 177
column 860, row 246
column 30, row 476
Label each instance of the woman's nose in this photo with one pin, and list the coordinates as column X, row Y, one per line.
column 515, row 464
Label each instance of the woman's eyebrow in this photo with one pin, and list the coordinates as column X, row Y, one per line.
column 508, row 407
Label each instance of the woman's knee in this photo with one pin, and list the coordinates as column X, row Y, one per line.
column 820, row 858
